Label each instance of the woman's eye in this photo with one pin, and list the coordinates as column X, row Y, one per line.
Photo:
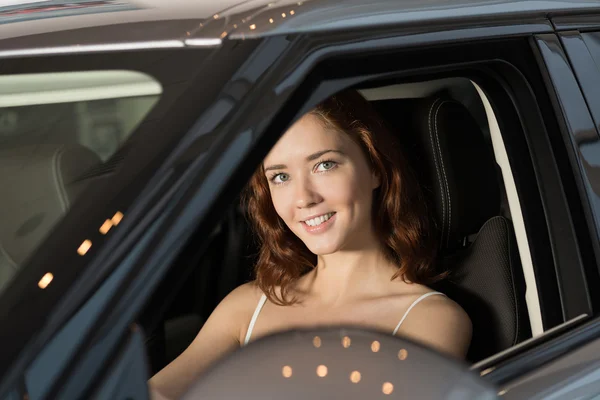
column 280, row 178
column 326, row 166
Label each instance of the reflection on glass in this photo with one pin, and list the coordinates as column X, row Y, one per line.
column 292, row 12
column 355, row 377
column 387, row 388
column 283, row 15
column 317, row 342
column 287, row 371
column 322, row 371
column 106, row 227
column 84, row 247
column 117, row 218
column 270, row 20
column 375, row 346
column 402, row 354
column 253, row 27
column 346, row 342
column 45, row 281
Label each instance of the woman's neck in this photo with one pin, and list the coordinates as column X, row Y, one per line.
column 348, row 275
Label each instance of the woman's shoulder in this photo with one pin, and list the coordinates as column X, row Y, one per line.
column 244, row 296
column 440, row 321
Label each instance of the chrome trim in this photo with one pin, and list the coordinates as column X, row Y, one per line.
column 203, row 42
column 91, row 48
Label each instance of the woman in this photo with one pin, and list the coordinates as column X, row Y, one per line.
column 345, row 239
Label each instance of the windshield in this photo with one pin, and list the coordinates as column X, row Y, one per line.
column 59, row 132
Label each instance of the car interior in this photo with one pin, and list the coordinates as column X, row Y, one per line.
column 446, row 128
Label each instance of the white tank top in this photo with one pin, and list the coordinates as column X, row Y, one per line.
column 263, row 300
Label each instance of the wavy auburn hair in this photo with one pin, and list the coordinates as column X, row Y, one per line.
column 400, row 216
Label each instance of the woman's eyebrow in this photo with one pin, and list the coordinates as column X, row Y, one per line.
column 320, row 153
column 312, row 157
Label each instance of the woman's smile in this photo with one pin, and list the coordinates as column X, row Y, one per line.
column 319, row 224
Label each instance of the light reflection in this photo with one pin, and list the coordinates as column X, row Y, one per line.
column 487, row 371
column 346, row 342
column 292, row 12
column 287, row 371
column 317, row 342
column 253, row 26
column 402, row 354
column 235, row 26
column 375, row 346
column 355, row 377
column 84, row 247
column 116, row 219
column 270, row 20
column 106, row 227
column 283, row 15
column 322, row 371
column 223, row 35
column 387, row 388
column 45, row 281
column 216, row 16
column 502, row 392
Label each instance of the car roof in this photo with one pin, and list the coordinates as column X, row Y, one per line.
column 36, row 24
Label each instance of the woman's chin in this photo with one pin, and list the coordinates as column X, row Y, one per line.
column 323, row 250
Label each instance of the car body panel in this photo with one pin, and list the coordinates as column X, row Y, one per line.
column 151, row 23
column 584, row 136
column 289, row 17
column 574, row 376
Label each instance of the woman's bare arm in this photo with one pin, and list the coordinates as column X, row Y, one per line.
column 219, row 336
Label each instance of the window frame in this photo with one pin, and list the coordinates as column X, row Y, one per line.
column 315, row 80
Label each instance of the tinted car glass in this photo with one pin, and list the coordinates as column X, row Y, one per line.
column 58, row 133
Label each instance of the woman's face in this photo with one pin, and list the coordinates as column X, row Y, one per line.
column 322, row 187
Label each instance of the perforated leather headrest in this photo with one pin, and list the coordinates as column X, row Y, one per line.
column 452, row 160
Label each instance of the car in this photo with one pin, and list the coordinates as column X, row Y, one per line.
column 128, row 129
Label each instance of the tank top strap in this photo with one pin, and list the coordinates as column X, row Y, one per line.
column 422, row 297
column 259, row 306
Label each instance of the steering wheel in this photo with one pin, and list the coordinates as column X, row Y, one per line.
column 344, row 362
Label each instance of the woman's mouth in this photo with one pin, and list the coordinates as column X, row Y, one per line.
column 320, row 223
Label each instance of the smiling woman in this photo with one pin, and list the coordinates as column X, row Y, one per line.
column 355, row 178
column 345, row 239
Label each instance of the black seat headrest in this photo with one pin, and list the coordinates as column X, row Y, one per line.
column 452, row 160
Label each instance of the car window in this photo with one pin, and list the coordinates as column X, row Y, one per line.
column 58, row 133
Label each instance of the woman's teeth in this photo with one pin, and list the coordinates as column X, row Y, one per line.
column 318, row 220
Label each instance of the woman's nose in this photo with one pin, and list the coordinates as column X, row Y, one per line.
column 306, row 194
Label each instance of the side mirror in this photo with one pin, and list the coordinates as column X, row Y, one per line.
column 348, row 363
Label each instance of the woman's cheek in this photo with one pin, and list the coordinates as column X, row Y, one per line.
column 279, row 203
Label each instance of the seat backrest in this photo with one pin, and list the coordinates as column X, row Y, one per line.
column 456, row 167
column 39, row 184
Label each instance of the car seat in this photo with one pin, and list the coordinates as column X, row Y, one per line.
column 456, row 166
